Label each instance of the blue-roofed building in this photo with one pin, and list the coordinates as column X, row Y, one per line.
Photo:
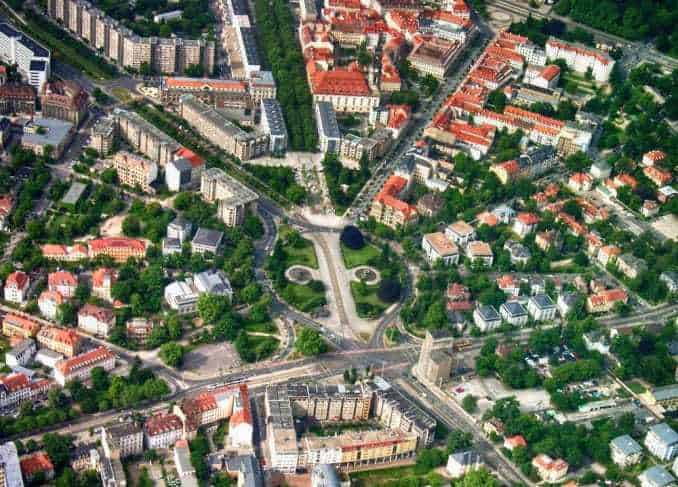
column 329, row 135
column 32, row 59
column 656, row 476
column 625, row 451
column 486, row 318
column 514, row 313
column 662, row 441
column 541, row 307
column 273, row 123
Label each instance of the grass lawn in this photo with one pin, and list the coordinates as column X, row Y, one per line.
column 636, row 387
column 303, row 297
column 355, row 258
column 263, row 346
column 394, row 476
column 122, row 94
column 368, row 305
column 299, row 255
column 266, row 327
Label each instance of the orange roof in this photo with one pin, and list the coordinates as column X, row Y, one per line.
column 550, row 72
column 38, row 462
column 22, row 322
column 181, row 444
column 506, row 281
column 441, row 244
column 581, row 51
column 17, row 279
column 6, row 203
column 15, row 382
column 609, row 296
column 657, row 175
column 515, row 441
column 655, row 155
column 162, row 423
column 102, row 244
column 340, row 81
column 581, row 178
column 98, row 312
column 480, row 249
column 487, row 218
column 99, row 275
column 354, row 4
column 626, row 180
column 61, row 335
column 244, row 415
column 205, row 84
column 91, row 358
column 527, row 218
column 192, row 157
column 388, row 195
column 62, row 278
column 51, row 296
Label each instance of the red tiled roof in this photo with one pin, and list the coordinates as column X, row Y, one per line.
column 17, row 279
column 61, row 335
column 388, row 195
column 51, row 296
column 15, row 382
column 102, row 244
column 244, row 415
column 340, row 81
column 6, row 203
column 655, row 155
column 192, row 157
column 98, row 312
column 92, row 357
column 22, row 322
column 205, row 83
column 99, row 275
column 550, row 72
column 62, row 278
column 162, row 423
column 36, row 463
column 527, row 218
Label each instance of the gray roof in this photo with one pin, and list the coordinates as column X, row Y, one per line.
column 207, row 237
column 468, row 457
column 666, row 392
column 627, row 445
column 657, row 476
column 181, row 165
column 665, row 433
column 328, row 124
column 542, row 301
column 56, row 131
column 37, row 49
column 248, row 466
column 326, row 474
column 249, row 40
column 514, row 308
column 74, row 193
column 10, row 460
column 274, row 116
column 488, row 313
column 213, row 282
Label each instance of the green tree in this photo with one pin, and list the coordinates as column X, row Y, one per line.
column 310, row 342
column 172, row 354
column 470, row 403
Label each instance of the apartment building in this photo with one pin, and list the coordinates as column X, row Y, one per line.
column 329, row 135
column 127, row 49
column 145, row 137
column 234, row 199
column 80, row 366
column 162, row 430
column 273, row 124
column 10, row 469
column 64, row 100
column 17, row 98
column 581, row 58
column 541, row 307
column 207, row 408
column 548, row 469
column 135, row 171
column 396, row 412
column 31, row 58
column 437, row 246
column 434, row 55
column 325, row 402
column 122, row 440
column 219, row 130
column 17, row 326
column 103, row 279
column 433, row 366
column 96, row 320
column 17, row 286
column 118, row 248
column 604, row 301
column 486, row 318
column 102, row 135
column 64, row 341
column 662, row 442
column 625, row 451
column 478, row 251
column 346, row 89
column 21, row 354
column 62, row 282
column 535, row 161
column 460, row 233
column 18, row 388
column 388, row 208
column 219, row 93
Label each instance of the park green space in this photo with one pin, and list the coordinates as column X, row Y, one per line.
column 367, row 301
column 300, row 254
column 354, row 258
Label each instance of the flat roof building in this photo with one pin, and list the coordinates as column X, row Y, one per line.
column 44, row 132
column 273, row 123
column 329, row 135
